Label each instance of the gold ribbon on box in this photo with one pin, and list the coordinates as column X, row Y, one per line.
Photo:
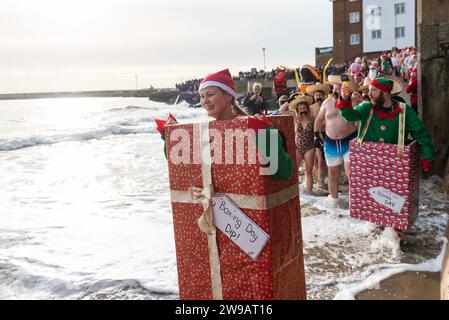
column 205, row 195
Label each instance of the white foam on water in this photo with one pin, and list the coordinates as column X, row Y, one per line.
column 383, row 272
column 94, row 123
column 344, row 256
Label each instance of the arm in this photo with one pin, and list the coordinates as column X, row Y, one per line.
column 349, row 114
column 247, row 101
column 419, row 132
column 285, row 162
column 412, row 87
column 284, row 109
column 165, row 146
column 264, row 105
column 160, row 126
column 320, row 119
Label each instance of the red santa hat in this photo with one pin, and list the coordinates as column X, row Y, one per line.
column 374, row 65
column 222, row 79
column 280, row 69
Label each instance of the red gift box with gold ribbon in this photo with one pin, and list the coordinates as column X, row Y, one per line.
column 210, row 265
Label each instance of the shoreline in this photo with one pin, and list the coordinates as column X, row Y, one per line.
column 409, row 285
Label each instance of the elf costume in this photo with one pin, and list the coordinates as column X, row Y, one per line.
column 384, row 123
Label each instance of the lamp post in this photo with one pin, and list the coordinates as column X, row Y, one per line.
column 264, row 59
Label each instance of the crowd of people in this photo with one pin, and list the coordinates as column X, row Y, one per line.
column 189, row 86
column 363, row 102
column 322, row 132
column 255, row 75
column 328, row 114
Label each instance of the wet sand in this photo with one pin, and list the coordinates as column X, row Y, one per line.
column 406, row 286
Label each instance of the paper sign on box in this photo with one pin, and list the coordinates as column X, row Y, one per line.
column 238, row 227
column 388, row 198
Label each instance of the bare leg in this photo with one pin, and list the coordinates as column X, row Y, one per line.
column 334, row 173
column 321, row 166
column 299, row 158
column 309, row 159
column 347, row 167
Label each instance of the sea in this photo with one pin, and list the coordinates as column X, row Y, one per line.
column 85, row 210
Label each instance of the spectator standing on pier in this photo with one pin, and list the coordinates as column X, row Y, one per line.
column 254, row 101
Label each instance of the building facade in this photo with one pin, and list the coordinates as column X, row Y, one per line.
column 367, row 27
column 388, row 24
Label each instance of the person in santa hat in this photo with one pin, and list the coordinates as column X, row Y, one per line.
column 218, row 97
column 384, row 123
column 358, row 78
column 355, row 67
column 280, row 82
column 374, row 70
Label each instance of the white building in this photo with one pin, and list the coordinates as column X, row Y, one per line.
column 388, row 24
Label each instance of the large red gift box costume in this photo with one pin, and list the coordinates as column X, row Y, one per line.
column 278, row 272
column 384, row 186
column 384, row 179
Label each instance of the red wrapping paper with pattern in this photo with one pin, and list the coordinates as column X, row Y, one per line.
column 278, row 273
column 378, row 165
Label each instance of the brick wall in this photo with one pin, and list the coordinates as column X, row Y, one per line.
column 343, row 50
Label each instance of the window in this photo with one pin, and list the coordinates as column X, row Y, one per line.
column 354, row 17
column 399, row 8
column 376, row 34
column 376, row 11
column 354, row 39
column 399, row 32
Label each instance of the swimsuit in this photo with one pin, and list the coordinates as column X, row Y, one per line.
column 304, row 138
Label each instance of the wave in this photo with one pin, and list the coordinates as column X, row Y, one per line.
column 110, row 288
column 114, row 130
column 43, row 285
column 131, row 108
column 124, row 126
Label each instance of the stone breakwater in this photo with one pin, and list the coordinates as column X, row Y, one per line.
column 160, row 95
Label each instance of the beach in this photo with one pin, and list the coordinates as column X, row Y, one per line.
column 86, row 212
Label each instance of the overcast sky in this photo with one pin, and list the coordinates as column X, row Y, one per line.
column 57, row 45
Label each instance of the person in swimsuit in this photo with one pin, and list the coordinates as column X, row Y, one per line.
column 305, row 148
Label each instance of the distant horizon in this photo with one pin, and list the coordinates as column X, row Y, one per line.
column 83, row 45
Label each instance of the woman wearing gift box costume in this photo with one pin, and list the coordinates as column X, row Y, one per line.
column 384, row 182
column 262, row 208
column 217, row 92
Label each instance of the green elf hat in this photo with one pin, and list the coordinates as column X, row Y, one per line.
column 383, row 84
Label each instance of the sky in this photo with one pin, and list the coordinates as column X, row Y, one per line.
column 72, row 45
